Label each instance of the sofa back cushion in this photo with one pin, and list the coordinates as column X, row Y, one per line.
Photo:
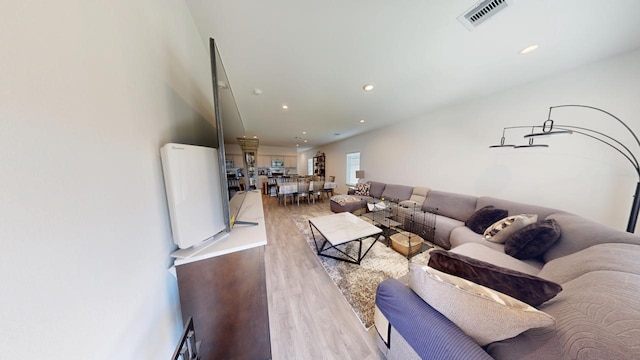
column 419, row 194
column 397, row 192
column 456, row 206
column 515, row 208
column 376, row 189
column 578, row 233
column 602, row 257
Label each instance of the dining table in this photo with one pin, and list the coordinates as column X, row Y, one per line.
column 287, row 188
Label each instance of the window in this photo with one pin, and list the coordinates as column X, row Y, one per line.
column 310, row 166
column 353, row 164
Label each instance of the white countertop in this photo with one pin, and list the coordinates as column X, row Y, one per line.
column 242, row 237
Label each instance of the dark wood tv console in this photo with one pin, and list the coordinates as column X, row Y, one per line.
column 224, row 290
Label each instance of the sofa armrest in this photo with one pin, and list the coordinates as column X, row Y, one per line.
column 429, row 333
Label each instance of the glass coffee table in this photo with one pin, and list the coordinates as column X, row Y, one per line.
column 340, row 231
column 383, row 218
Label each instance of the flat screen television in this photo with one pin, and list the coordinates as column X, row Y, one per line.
column 235, row 205
column 230, row 127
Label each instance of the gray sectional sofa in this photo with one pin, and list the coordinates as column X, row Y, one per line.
column 597, row 313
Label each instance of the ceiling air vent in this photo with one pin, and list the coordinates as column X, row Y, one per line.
column 482, row 12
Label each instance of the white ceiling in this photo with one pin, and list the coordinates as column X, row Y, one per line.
column 315, row 56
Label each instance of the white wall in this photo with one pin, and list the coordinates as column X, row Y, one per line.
column 90, row 91
column 448, row 149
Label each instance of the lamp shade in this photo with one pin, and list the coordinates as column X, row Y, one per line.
column 359, row 174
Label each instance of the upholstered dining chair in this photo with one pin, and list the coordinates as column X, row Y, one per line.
column 282, row 196
column 303, row 190
column 271, row 185
column 316, row 190
column 328, row 192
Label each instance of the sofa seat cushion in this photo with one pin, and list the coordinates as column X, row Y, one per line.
column 463, row 235
column 598, row 317
column 613, row 257
column 484, row 314
column 579, row 233
column 524, row 287
column 444, row 227
column 497, row 257
column 452, row 205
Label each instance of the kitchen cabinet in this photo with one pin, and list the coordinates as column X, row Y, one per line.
column 291, row 161
column 264, row 161
column 238, row 161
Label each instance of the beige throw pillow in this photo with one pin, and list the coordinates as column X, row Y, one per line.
column 501, row 230
column 483, row 314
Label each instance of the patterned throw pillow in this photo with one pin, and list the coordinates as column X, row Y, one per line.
column 362, row 189
column 501, row 230
column 484, row 314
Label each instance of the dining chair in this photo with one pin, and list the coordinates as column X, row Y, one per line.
column 316, row 190
column 328, row 192
column 280, row 193
column 302, row 190
column 271, row 185
column 233, row 185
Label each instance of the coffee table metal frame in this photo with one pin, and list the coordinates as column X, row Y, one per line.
column 340, row 229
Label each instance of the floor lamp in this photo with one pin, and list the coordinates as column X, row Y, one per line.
column 548, row 129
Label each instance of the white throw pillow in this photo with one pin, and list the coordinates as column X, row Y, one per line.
column 501, row 230
column 483, row 314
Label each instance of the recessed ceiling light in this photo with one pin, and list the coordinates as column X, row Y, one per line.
column 297, row 145
column 255, row 136
column 257, row 92
column 362, row 120
column 304, row 133
column 368, row 87
column 305, row 141
column 529, row 49
column 285, row 107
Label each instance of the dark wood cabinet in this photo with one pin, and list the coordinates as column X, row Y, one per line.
column 227, row 298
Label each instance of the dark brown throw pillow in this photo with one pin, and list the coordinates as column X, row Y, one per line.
column 524, row 287
column 480, row 220
column 533, row 240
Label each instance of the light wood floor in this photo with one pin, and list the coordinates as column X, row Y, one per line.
column 308, row 316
